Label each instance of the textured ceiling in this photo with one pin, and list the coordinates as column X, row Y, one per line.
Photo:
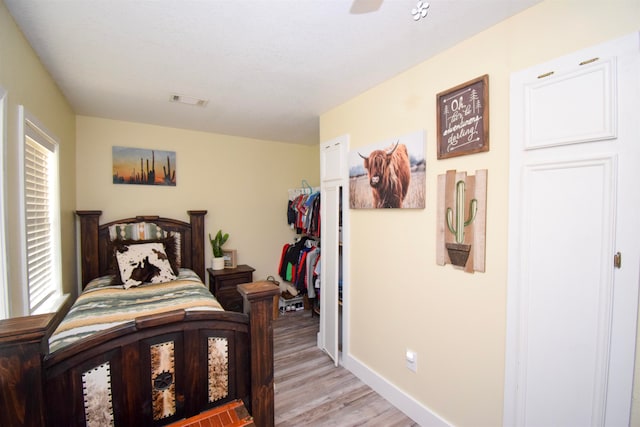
column 268, row 68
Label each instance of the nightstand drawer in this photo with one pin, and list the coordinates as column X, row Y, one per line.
column 223, row 285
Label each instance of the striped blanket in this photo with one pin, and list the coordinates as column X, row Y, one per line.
column 102, row 305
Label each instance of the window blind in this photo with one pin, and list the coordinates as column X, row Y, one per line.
column 38, row 160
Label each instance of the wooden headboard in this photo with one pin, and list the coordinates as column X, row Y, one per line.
column 95, row 249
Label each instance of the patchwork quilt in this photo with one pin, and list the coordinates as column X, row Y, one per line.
column 103, row 305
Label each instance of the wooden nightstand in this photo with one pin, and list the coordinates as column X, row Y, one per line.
column 223, row 283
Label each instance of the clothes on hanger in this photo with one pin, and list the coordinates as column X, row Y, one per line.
column 303, row 213
column 298, row 264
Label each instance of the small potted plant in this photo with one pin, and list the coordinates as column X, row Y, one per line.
column 216, row 247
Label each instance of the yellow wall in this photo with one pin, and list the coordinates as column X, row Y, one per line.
column 455, row 321
column 28, row 83
column 241, row 182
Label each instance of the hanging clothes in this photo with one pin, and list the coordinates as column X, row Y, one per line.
column 289, row 259
column 303, row 213
column 311, row 275
column 298, row 260
column 297, row 264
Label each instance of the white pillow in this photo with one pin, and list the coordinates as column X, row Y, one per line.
column 143, row 263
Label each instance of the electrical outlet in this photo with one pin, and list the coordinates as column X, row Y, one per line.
column 412, row 360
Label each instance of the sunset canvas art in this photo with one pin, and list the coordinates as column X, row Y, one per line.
column 143, row 166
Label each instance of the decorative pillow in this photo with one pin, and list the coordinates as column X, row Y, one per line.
column 143, row 263
column 136, row 231
column 170, row 249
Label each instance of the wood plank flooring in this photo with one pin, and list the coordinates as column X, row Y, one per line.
column 310, row 391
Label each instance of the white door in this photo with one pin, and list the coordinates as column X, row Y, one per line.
column 333, row 174
column 330, row 270
column 574, row 203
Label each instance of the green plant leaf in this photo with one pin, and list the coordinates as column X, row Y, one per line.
column 217, row 242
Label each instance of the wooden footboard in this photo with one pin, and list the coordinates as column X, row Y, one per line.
column 153, row 372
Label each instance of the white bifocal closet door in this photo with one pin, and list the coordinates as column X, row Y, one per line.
column 330, row 271
column 571, row 312
column 333, row 175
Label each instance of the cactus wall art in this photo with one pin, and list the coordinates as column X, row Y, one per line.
column 138, row 166
column 461, row 220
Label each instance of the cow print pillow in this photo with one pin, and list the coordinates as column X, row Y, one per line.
column 143, row 263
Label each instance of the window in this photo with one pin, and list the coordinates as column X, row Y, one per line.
column 41, row 218
column 4, row 291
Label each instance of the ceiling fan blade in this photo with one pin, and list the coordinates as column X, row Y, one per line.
column 365, row 6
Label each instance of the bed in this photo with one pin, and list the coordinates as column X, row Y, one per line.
column 176, row 358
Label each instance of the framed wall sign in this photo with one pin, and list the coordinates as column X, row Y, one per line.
column 463, row 118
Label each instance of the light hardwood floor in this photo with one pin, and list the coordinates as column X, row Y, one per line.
column 310, row 391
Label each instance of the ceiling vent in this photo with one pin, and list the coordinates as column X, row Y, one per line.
column 188, row 100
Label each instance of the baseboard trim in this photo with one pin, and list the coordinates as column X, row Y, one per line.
column 398, row 398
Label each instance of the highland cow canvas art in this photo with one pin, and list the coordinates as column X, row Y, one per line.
column 389, row 174
column 143, row 166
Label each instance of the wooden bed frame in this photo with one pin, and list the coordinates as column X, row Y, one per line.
column 38, row 388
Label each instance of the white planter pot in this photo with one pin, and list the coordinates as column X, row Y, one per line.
column 217, row 263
